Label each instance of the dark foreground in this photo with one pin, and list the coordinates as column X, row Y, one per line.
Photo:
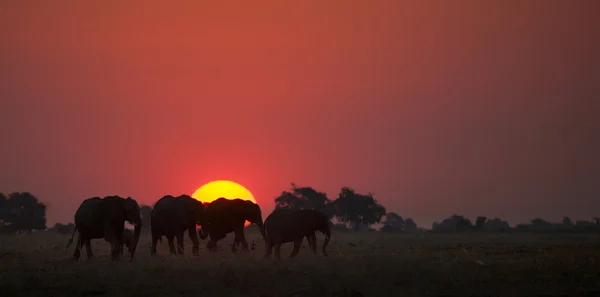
column 367, row 264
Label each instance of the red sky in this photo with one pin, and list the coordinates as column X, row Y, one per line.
column 467, row 107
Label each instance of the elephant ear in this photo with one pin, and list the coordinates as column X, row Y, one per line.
column 250, row 209
column 130, row 210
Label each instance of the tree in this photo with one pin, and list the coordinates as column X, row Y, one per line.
column 304, row 198
column 393, row 223
column 25, row 213
column 4, row 213
column 63, row 229
column 462, row 223
column 567, row 223
column 453, row 223
column 355, row 209
column 480, row 222
column 538, row 224
column 497, row 224
column 410, row 225
column 145, row 212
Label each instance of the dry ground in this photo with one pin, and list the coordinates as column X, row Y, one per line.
column 367, row 264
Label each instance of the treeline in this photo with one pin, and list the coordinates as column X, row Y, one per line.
column 458, row 223
column 349, row 211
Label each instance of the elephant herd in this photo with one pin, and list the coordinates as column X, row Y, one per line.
column 172, row 216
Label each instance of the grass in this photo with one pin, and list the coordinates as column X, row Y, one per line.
column 366, row 264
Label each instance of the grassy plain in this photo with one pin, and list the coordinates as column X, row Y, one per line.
column 364, row 264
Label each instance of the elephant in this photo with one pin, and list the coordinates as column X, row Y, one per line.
column 172, row 216
column 292, row 225
column 229, row 215
column 105, row 218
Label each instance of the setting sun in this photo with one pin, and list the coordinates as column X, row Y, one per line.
column 223, row 188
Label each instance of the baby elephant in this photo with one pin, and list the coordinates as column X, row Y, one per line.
column 291, row 225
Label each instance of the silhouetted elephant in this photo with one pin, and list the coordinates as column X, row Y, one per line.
column 291, row 225
column 172, row 216
column 230, row 215
column 105, row 218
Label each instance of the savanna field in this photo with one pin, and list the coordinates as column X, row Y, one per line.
column 363, row 264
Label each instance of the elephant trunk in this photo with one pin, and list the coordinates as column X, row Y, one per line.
column 327, row 238
column 203, row 233
column 261, row 227
column 137, row 231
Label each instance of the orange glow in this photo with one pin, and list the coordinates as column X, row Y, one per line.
column 223, row 188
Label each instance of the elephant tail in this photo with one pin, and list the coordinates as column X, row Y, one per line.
column 71, row 240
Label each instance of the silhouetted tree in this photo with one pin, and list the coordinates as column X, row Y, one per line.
column 305, row 198
column 355, row 209
column 567, row 223
column 393, row 223
column 586, row 226
column 538, row 224
column 453, row 223
column 480, row 222
column 24, row 213
column 462, row 223
column 145, row 212
column 4, row 213
column 63, row 229
column 410, row 225
column 497, row 224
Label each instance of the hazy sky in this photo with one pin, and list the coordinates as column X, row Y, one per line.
column 437, row 107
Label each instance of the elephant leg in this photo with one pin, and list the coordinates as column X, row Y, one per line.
column 88, row 248
column 312, row 242
column 78, row 246
column 112, row 237
column 120, row 240
column 212, row 243
column 155, row 237
column 269, row 250
column 171, row 245
column 236, row 242
column 195, row 242
column 122, row 248
column 234, row 245
column 240, row 238
column 153, row 247
column 179, row 237
column 278, row 250
column 244, row 242
column 297, row 243
column 115, row 249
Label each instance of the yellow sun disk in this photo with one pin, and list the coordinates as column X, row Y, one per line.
column 223, row 188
